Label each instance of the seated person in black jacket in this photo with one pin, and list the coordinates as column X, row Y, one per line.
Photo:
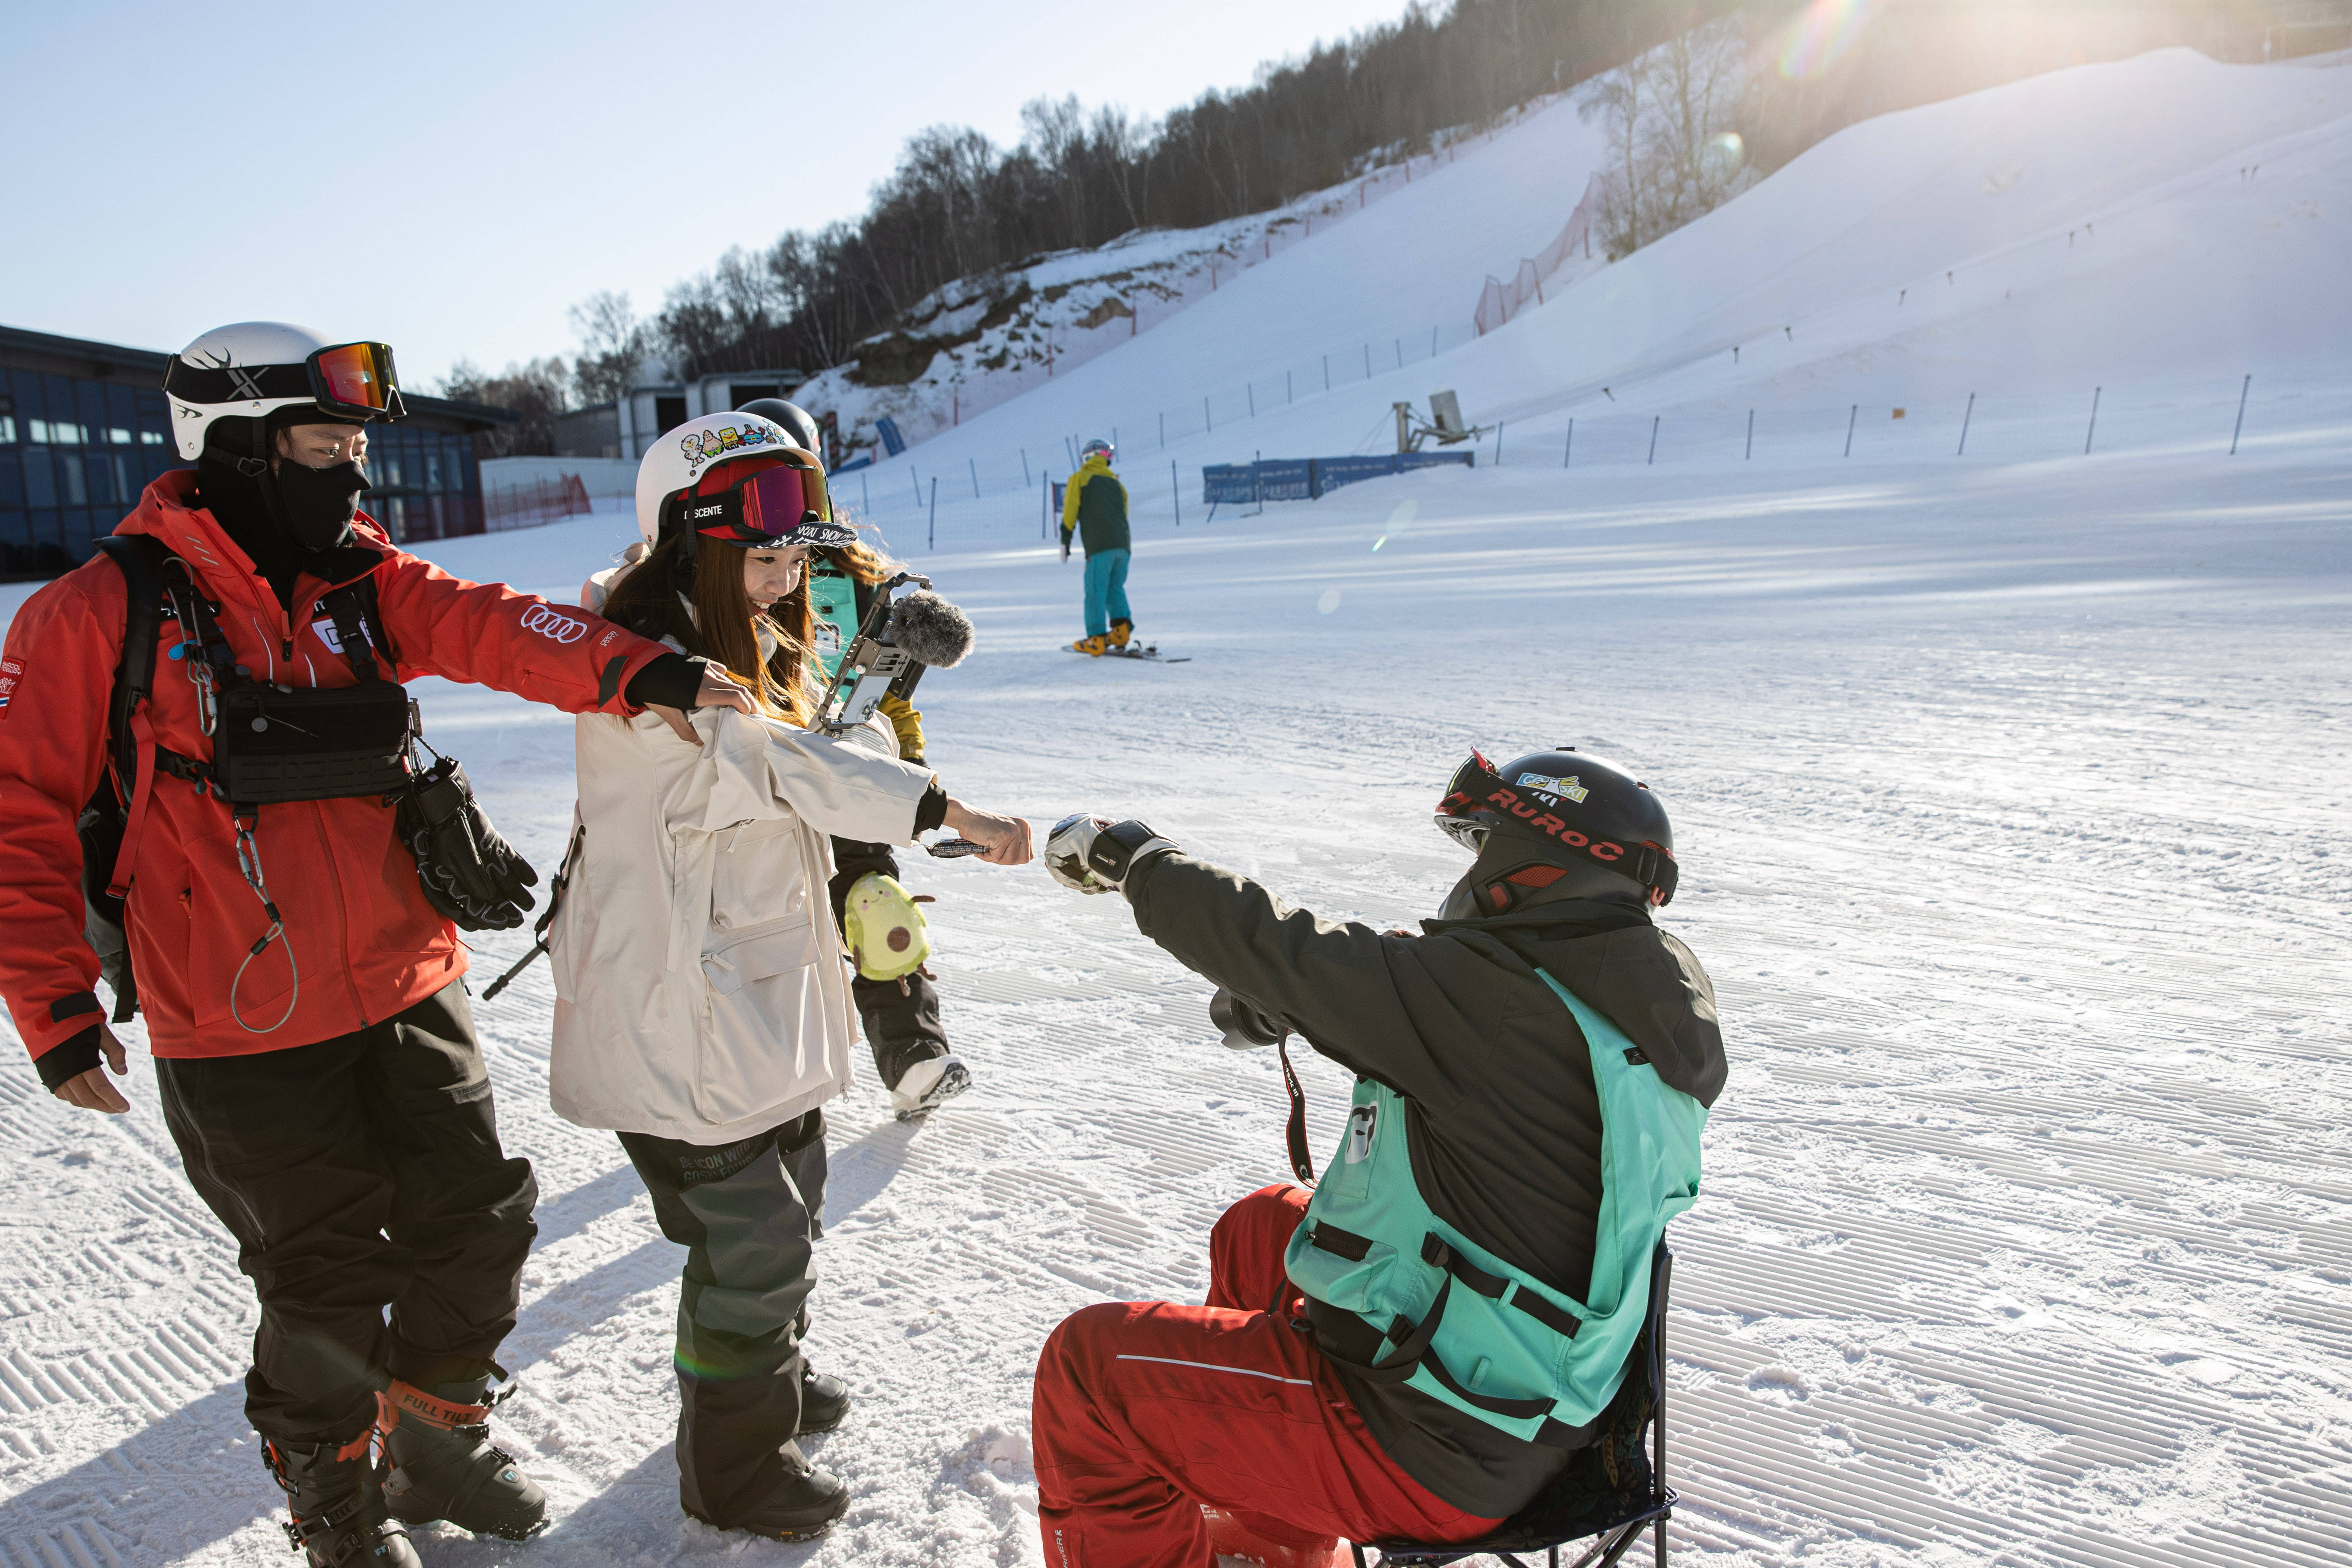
column 1420, row 1351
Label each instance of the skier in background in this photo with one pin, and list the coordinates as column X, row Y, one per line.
column 899, row 1004
column 1095, row 506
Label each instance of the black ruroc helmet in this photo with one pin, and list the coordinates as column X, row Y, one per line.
column 1560, row 810
column 798, row 423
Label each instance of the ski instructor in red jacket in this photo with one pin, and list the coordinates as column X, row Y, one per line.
column 315, row 1054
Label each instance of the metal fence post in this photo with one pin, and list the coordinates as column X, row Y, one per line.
column 1176, row 491
column 1752, row 436
column 933, row 541
column 1498, row 443
column 1025, row 480
column 1326, row 372
column 2240, row 427
column 975, row 476
column 1850, row 419
column 2094, row 428
column 918, row 483
column 1208, row 420
column 1653, row 457
column 1567, row 453
column 1163, row 429
column 1252, row 390
column 1967, row 415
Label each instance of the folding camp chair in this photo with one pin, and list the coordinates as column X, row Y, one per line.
column 1601, row 1494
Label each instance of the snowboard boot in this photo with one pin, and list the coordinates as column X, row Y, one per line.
column 901, row 1019
column 444, row 1465
column 339, row 1514
column 825, row 1401
column 1120, row 631
column 927, row 1085
column 802, row 1506
column 1093, row 645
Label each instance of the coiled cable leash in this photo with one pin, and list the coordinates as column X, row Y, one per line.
column 248, row 864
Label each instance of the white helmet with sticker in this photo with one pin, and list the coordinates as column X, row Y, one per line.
column 249, row 370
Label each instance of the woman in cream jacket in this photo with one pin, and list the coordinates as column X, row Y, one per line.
column 703, row 1008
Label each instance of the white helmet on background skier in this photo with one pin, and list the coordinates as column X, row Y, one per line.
column 1097, row 448
column 738, row 478
column 251, row 369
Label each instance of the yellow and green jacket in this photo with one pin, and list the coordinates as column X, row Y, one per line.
column 1095, row 505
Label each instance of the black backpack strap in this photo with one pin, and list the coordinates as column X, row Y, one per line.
column 142, row 561
column 358, row 616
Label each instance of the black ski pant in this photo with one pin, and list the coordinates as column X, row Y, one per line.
column 748, row 1215
column 359, row 1173
column 901, row 1016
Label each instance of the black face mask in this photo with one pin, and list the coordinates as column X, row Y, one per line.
column 318, row 504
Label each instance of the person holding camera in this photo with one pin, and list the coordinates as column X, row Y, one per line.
column 703, row 1012
column 1418, row 1348
column 314, row 1053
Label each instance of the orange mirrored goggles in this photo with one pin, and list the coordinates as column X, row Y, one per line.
column 357, row 381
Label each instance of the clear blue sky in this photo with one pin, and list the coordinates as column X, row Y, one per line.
column 450, row 178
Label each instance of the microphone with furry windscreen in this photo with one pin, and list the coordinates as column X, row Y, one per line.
column 931, row 631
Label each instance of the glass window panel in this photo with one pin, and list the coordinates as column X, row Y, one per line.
column 121, row 404
column 12, row 477
column 127, row 482
column 7, row 429
column 433, row 470
column 75, row 530
column 149, row 402
column 41, row 480
column 152, row 438
column 73, row 489
column 89, row 404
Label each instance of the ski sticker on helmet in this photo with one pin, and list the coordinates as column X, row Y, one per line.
column 1568, row 788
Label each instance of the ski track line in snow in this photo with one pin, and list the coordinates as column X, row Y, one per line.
column 2015, row 838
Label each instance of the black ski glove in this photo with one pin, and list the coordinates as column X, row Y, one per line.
column 468, row 872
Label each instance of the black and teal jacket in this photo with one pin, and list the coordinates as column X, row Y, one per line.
column 1493, row 1094
column 1095, row 505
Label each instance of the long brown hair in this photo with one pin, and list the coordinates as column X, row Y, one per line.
column 721, row 625
column 860, row 561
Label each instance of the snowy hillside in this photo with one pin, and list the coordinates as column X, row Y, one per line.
column 1414, row 249
column 2009, row 791
column 2156, row 228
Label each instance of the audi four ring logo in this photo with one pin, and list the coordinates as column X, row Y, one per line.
column 547, row 623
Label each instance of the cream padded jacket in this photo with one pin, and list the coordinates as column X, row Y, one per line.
column 700, row 992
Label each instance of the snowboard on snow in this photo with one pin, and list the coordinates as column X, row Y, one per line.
column 1153, row 654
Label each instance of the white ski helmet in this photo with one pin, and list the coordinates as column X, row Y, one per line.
column 1097, row 445
column 680, row 459
column 249, row 370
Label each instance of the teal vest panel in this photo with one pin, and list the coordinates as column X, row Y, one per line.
column 1477, row 1333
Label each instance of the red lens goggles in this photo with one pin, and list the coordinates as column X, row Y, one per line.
column 773, row 508
column 356, row 380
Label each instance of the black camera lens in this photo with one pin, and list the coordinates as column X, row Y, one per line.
column 1244, row 1025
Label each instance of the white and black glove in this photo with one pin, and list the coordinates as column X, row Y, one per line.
column 1094, row 856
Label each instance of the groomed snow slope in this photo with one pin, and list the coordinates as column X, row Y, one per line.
column 2011, row 799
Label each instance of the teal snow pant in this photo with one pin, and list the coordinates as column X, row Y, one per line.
column 1106, row 592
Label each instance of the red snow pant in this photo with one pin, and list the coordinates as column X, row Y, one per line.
column 1146, row 1413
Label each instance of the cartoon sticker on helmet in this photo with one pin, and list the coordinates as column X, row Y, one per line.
column 730, row 438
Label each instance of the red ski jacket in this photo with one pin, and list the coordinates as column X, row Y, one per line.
column 367, row 943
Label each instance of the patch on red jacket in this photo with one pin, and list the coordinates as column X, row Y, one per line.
column 12, row 674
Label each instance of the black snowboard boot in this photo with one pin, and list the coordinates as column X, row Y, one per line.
column 803, row 1504
column 825, row 1401
column 444, row 1465
column 339, row 1514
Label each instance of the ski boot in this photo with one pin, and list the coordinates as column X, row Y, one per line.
column 825, row 1401
column 1120, row 631
column 445, row 1467
column 1092, row 646
column 339, row 1513
column 803, row 1506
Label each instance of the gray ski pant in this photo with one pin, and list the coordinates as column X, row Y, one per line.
column 749, row 1214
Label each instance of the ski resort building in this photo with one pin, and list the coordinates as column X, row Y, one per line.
column 648, row 411
column 83, row 429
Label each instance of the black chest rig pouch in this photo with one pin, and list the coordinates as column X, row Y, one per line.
column 275, row 744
